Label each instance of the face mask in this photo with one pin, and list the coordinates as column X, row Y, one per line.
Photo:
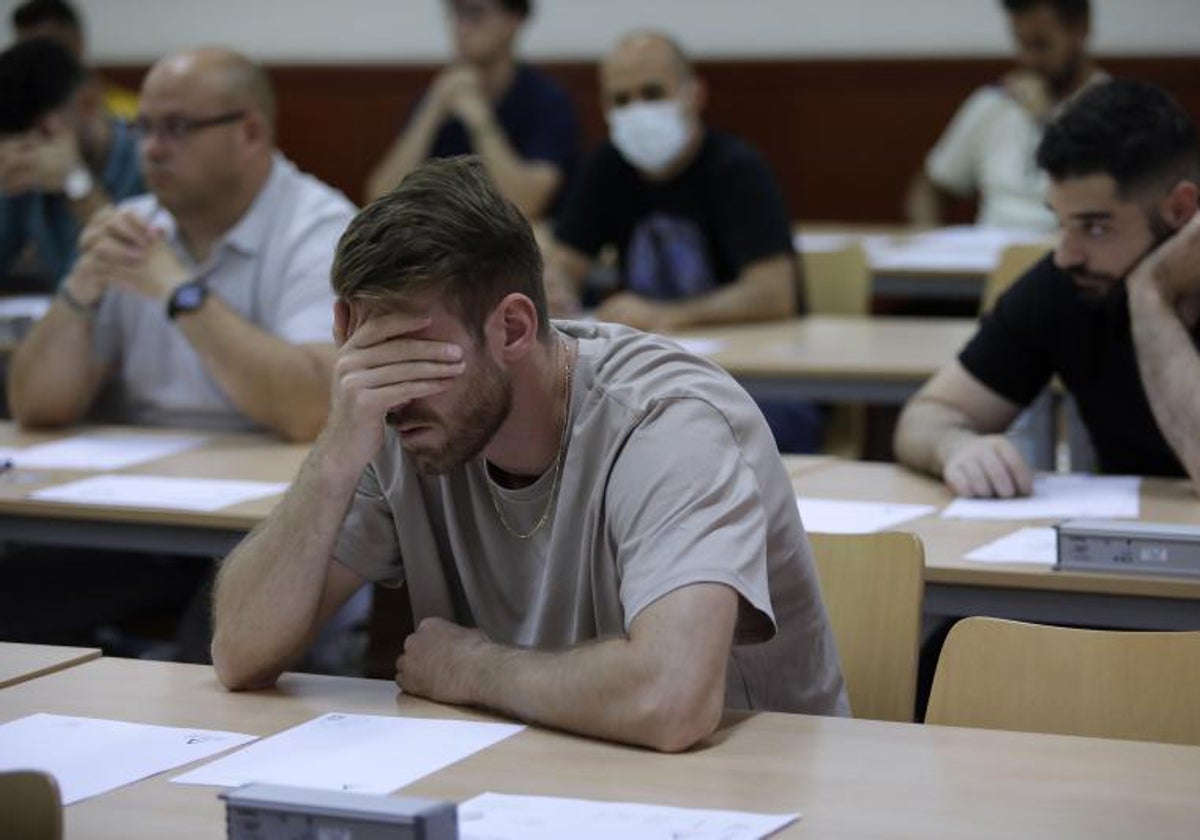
column 650, row 135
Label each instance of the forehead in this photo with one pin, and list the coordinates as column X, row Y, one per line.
column 180, row 87
column 640, row 63
column 1041, row 21
column 1087, row 193
column 443, row 324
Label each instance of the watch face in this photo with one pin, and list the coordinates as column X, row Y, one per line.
column 189, row 297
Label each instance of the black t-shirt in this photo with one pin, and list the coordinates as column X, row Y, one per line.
column 686, row 236
column 1045, row 326
column 538, row 119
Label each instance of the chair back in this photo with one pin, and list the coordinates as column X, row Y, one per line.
column 30, row 805
column 1014, row 261
column 996, row 674
column 873, row 585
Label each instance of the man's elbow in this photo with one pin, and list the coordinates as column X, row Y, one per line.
column 681, row 717
column 234, row 672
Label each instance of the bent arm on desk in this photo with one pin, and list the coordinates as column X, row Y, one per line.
column 1164, row 291
column 662, row 687
column 282, row 386
column 765, row 290
column 53, row 379
column 953, row 429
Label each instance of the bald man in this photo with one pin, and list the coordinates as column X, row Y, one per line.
column 206, row 303
column 699, row 224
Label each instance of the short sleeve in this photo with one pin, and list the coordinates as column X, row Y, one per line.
column 302, row 313
column 954, row 163
column 1012, row 353
column 677, row 519
column 754, row 219
column 367, row 542
column 591, row 204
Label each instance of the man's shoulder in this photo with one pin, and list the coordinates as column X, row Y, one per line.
column 307, row 195
column 730, row 155
column 987, row 102
column 541, row 89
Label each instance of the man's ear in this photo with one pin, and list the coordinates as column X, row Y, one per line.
column 513, row 328
column 342, row 322
column 1180, row 203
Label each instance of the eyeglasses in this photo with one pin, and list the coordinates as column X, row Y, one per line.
column 177, row 128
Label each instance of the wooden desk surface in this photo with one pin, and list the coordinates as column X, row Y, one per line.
column 849, row 778
column 254, row 457
column 19, row 662
column 876, row 348
column 948, row 541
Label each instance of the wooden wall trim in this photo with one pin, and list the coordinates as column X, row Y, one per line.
column 844, row 136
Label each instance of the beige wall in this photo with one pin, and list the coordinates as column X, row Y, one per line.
column 412, row 30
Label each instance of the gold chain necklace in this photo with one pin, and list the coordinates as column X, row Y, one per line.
column 558, row 461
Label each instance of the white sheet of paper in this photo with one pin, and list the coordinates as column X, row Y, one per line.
column 1038, row 546
column 835, row 516
column 813, row 243
column 1059, row 497
column 102, row 452
column 149, row 491
column 963, row 248
column 361, row 753
column 25, row 306
column 701, row 346
column 494, row 816
column 88, row 756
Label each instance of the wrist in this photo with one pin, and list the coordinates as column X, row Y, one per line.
column 83, row 292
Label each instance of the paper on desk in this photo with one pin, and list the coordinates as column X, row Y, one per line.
column 25, row 306
column 101, row 451
column 166, row 493
column 701, row 346
column 361, row 753
column 88, row 756
column 821, row 242
column 835, row 516
column 1038, row 546
column 1059, row 497
column 963, row 248
column 494, row 816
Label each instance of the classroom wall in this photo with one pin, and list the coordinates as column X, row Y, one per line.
column 325, row 31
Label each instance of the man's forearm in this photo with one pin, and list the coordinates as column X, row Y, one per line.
column 50, row 380
column 605, row 690
column 767, row 292
column 928, row 433
column 528, row 185
column 408, row 152
column 1170, row 370
column 269, row 591
column 282, row 386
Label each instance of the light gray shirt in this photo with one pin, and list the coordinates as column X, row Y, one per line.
column 670, row 477
column 272, row 268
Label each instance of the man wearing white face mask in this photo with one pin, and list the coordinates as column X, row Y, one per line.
column 701, row 229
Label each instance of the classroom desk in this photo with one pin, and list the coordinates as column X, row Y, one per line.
column 957, row 587
column 827, row 358
column 21, row 662
column 849, row 778
column 225, row 456
column 944, row 264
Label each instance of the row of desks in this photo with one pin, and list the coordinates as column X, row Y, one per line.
column 955, row 586
column 848, row 778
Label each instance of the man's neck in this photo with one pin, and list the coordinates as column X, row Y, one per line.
column 528, row 442
column 203, row 228
column 1077, row 81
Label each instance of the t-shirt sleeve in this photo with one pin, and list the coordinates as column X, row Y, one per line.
column 954, row 162
column 367, row 543
column 302, row 312
column 1012, row 353
column 590, row 205
column 677, row 519
column 752, row 213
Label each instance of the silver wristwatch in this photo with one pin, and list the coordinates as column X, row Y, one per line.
column 79, row 183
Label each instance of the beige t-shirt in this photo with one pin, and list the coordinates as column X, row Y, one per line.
column 670, row 478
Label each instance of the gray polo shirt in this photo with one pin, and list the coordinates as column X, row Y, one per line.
column 670, row 478
column 272, row 268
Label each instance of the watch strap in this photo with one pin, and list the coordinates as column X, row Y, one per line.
column 187, row 297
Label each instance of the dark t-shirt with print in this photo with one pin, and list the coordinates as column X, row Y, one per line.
column 686, row 236
column 1045, row 326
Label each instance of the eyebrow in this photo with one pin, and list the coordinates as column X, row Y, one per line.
column 1092, row 216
